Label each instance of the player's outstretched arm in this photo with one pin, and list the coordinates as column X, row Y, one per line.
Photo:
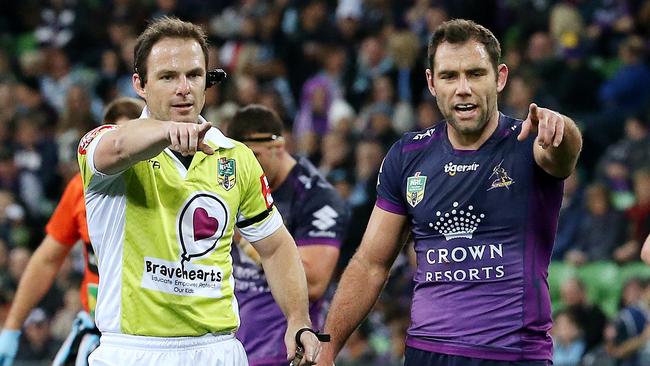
column 645, row 251
column 286, row 278
column 558, row 142
column 142, row 139
column 363, row 279
column 37, row 279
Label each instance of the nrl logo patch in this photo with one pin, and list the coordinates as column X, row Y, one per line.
column 226, row 173
column 415, row 188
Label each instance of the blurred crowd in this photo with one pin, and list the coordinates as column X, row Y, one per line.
column 347, row 78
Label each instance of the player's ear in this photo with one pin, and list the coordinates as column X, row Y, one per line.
column 429, row 75
column 502, row 77
column 138, row 84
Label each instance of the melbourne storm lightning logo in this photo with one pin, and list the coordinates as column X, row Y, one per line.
column 500, row 178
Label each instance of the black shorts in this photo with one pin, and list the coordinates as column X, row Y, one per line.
column 416, row 357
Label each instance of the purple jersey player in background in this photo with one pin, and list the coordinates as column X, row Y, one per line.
column 480, row 194
column 315, row 215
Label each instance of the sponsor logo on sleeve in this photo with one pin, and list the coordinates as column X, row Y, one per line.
column 427, row 133
column 266, row 191
column 90, row 136
column 324, row 220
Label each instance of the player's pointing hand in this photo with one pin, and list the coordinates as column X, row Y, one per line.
column 548, row 124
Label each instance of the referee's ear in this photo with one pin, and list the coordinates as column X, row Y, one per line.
column 139, row 85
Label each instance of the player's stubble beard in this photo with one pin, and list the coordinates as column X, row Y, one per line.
column 476, row 126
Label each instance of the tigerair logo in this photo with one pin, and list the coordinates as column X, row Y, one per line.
column 452, row 169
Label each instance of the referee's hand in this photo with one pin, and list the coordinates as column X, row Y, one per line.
column 301, row 356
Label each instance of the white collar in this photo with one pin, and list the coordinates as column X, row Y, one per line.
column 213, row 135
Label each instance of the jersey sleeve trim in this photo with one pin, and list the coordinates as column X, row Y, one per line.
column 254, row 233
column 255, row 219
column 391, row 207
column 318, row 241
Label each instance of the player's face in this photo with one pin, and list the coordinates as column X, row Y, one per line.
column 175, row 87
column 266, row 148
column 465, row 86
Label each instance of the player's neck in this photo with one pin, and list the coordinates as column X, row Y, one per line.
column 287, row 162
column 461, row 141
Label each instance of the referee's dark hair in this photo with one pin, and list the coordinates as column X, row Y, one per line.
column 254, row 119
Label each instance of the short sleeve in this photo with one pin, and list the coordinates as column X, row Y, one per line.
column 389, row 195
column 257, row 217
column 323, row 218
column 86, row 153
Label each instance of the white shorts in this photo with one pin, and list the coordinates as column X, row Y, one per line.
column 208, row 350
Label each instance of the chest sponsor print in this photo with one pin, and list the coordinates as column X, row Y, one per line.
column 201, row 223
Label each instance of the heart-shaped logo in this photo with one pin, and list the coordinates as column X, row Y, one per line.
column 204, row 225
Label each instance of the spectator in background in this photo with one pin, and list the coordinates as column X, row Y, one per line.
column 587, row 316
column 77, row 119
column 623, row 158
column 602, row 229
column 427, row 115
column 12, row 220
column 337, row 154
column 645, row 251
column 373, row 61
column 31, row 101
column 37, row 342
column 638, row 215
column 568, row 339
column 312, row 121
column 36, row 159
column 571, row 215
column 58, row 78
column 629, row 89
column 632, row 332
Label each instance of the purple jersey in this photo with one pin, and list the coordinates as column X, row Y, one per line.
column 484, row 224
column 314, row 213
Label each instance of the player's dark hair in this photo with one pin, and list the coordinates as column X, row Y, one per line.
column 254, row 119
column 123, row 107
column 165, row 27
column 458, row 31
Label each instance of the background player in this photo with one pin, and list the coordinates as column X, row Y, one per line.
column 315, row 215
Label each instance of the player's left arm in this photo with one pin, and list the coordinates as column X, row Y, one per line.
column 558, row 142
column 319, row 232
column 319, row 261
column 286, row 277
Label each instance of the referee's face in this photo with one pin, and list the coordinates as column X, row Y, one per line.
column 175, row 87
